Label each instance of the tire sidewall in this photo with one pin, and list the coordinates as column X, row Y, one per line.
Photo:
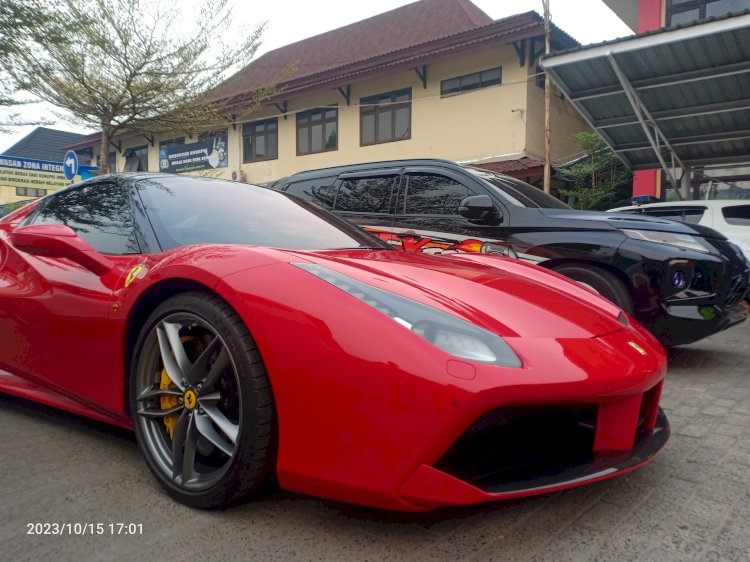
column 245, row 474
column 602, row 282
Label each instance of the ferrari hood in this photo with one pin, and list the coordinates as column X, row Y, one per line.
column 505, row 296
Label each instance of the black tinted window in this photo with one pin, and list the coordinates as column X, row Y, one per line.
column 100, row 213
column 366, row 195
column 739, row 214
column 432, row 194
column 190, row 210
column 319, row 191
column 518, row 192
column 672, row 214
column 691, row 215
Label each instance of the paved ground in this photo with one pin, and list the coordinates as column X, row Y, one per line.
column 689, row 504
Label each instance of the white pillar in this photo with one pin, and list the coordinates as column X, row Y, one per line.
column 685, row 185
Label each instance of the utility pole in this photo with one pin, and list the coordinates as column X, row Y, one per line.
column 547, row 98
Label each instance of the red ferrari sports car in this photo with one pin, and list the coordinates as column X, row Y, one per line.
column 248, row 336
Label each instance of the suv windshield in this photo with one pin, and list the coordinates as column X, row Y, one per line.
column 519, row 193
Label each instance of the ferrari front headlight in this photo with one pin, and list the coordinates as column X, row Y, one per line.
column 445, row 331
column 685, row 241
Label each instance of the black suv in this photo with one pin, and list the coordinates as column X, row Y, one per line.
column 682, row 281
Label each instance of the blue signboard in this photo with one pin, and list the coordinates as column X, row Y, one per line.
column 201, row 155
column 70, row 165
column 41, row 174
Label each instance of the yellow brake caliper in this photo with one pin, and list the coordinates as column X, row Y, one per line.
column 168, row 401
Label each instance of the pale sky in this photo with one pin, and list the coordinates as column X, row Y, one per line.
column 588, row 21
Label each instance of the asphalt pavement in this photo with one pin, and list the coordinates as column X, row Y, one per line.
column 691, row 503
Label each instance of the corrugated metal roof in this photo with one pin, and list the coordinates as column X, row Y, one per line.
column 686, row 88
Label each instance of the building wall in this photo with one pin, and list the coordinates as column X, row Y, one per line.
column 564, row 122
column 8, row 195
column 491, row 122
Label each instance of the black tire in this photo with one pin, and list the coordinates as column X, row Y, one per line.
column 215, row 390
column 602, row 282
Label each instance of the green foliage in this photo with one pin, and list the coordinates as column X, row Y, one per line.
column 600, row 180
column 143, row 66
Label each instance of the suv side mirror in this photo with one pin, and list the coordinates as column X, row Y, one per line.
column 481, row 209
column 59, row 241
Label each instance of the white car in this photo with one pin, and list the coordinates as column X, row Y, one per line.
column 731, row 217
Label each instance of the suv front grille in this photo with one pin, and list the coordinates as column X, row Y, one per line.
column 737, row 273
column 738, row 286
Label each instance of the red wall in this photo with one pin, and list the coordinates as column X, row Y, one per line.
column 644, row 182
column 649, row 15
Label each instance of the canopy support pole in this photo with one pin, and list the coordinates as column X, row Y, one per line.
column 647, row 123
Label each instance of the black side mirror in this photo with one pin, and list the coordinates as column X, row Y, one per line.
column 480, row 208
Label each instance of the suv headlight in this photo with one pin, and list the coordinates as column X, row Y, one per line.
column 453, row 335
column 685, row 241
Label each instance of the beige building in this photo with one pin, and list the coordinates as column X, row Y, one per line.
column 436, row 78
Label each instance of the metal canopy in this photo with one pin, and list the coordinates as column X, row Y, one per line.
column 675, row 98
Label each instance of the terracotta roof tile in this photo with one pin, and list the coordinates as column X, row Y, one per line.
column 517, row 168
column 394, row 30
column 401, row 38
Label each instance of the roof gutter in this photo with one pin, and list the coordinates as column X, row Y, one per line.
column 651, row 40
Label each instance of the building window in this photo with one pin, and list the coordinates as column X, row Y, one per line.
column 85, row 156
column 30, row 192
column 385, row 117
column 260, row 140
column 136, row 159
column 684, row 12
column 474, row 81
column 317, row 130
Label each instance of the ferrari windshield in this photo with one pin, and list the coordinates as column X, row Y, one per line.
column 191, row 210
